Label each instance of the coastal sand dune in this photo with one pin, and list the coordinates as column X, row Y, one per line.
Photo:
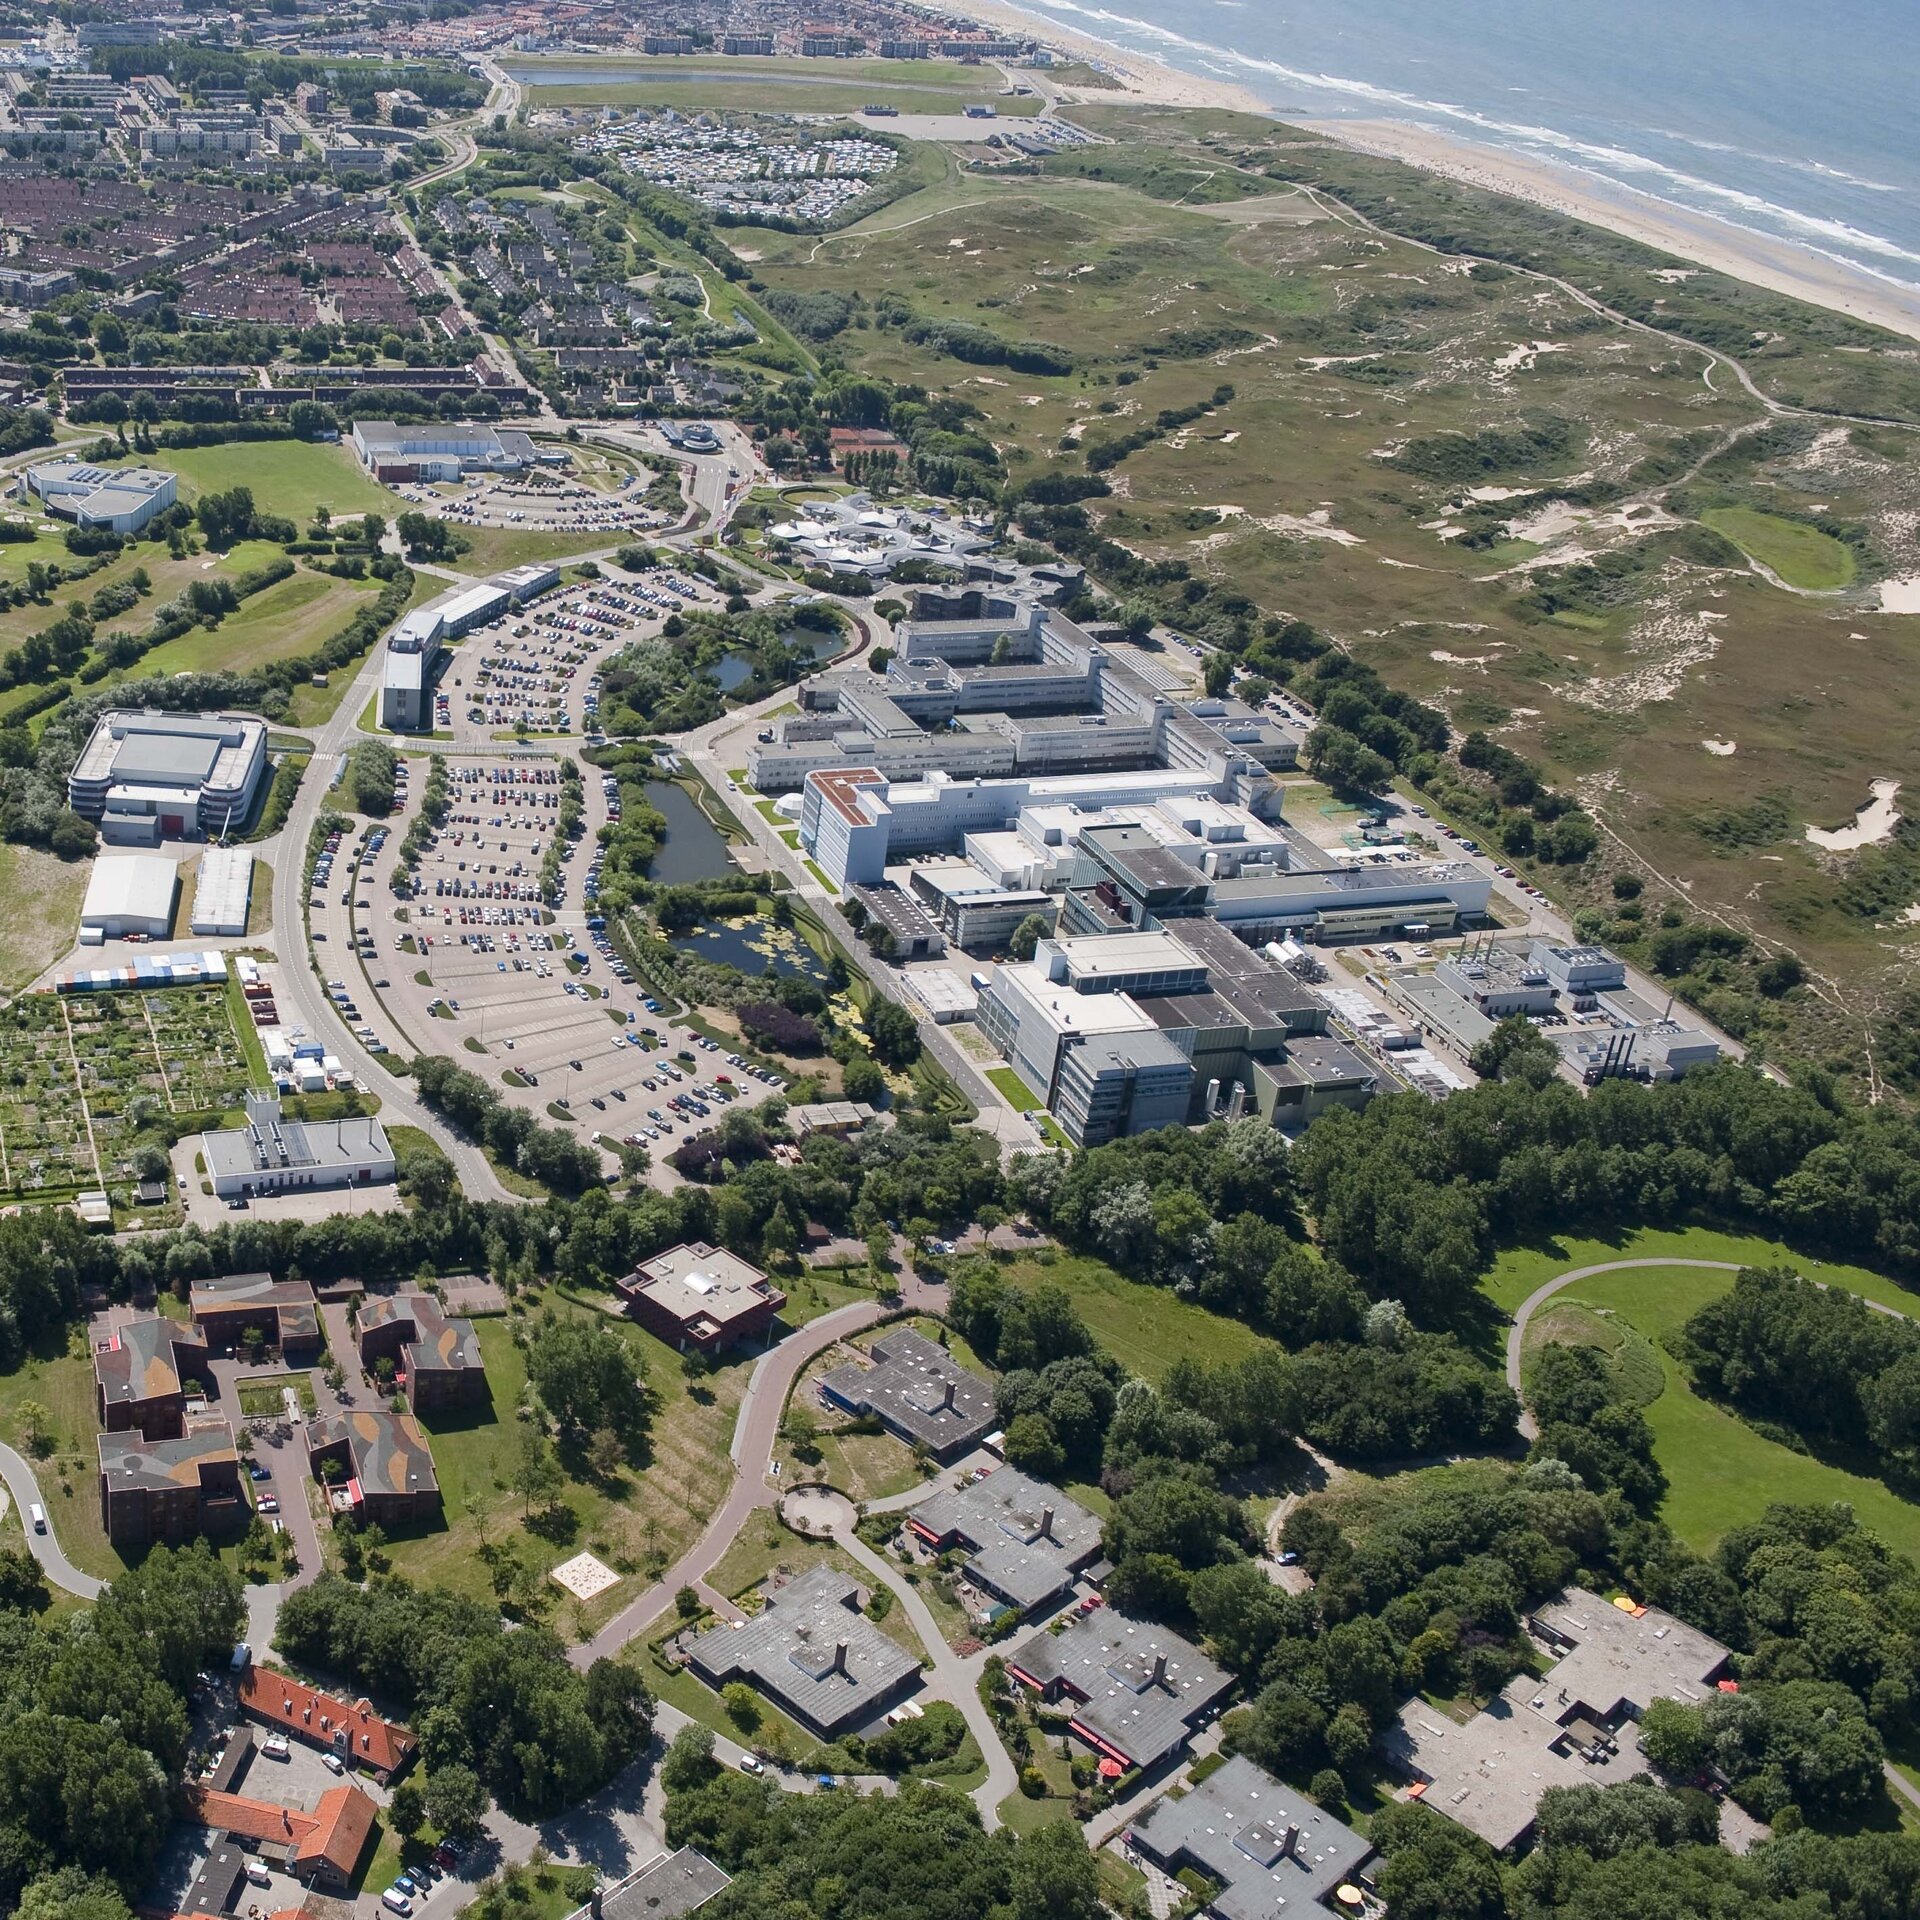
column 1712, row 243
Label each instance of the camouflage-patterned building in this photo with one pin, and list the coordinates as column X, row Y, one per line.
column 437, row 1359
column 141, row 1373
column 284, row 1311
column 167, row 1491
column 383, row 1472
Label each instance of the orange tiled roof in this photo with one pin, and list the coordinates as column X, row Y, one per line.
column 285, row 1702
column 336, row 1831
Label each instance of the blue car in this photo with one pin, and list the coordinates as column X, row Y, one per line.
column 407, row 1884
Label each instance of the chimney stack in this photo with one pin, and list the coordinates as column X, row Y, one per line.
column 1289, row 1841
column 1159, row 1669
column 946, row 1397
column 593, row 1904
column 839, row 1657
column 1046, row 1523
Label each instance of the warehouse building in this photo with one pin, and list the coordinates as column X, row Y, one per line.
column 223, row 892
column 130, row 893
column 444, row 449
column 116, row 499
column 151, row 776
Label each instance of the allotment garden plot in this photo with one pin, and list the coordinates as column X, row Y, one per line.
column 82, row 1077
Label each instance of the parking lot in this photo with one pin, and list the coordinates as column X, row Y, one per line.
column 473, row 964
column 536, row 671
column 538, row 500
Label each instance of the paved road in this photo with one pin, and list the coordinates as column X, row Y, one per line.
column 43, row 1546
column 1517, row 1333
column 756, row 1428
column 953, row 1679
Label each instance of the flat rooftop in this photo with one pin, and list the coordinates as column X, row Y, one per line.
column 1273, row 1851
column 668, row 1888
column 1027, row 1541
column 389, row 1451
column 129, row 1462
column 139, row 1361
column 812, row 1650
column 1140, row 1688
column 917, row 1389
column 698, row 1282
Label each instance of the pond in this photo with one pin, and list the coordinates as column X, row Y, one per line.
column 735, row 668
column 694, row 848
column 752, row 946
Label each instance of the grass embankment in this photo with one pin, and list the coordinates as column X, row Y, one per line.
column 1801, row 555
column 1721, row 1473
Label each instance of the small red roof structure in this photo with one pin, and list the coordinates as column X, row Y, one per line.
column 349, row 1728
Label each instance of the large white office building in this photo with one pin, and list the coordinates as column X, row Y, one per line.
column 147, row 777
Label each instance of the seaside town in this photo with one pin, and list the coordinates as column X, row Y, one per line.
column 936, row 986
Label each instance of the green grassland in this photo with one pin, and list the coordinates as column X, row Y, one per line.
column 1802, row 556
column 717, row 83
column 1145, row 1328
column 1342, row 345
column 1721, row 1473
column 655, row 1508
column 288, row 477
column 58, row 1375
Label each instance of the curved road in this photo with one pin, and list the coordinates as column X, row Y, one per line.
column 1517, row 1333
column 43, row 1546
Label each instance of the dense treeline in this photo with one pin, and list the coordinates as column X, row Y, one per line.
column 94, row 1725
column 540, row 1733
column 919, row 1855
column 1819, row 1359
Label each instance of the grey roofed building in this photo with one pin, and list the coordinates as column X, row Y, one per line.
column 1574, row 1725
column 919, row 1393
column 668, row 1888
column 813, row 1651
column 272, row 1155
column 1138, row 1689
column 1271, row 1850
column 1026, row 1541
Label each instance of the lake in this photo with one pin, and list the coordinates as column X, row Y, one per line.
column 734, row 669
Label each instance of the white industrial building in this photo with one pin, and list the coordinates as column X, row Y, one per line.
column 118, row 499
column 272, row 1155
column 444, row 449
column 130, row 893
column 151, row 776
column 223, row 892
column 414, row 647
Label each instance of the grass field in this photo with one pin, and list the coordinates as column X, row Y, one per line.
column 1802, row 556
column 291, row 617
column 1721, row 1473
column 748, row 84
column 655, row 1509
column 1013, row 1089
column 287, row 476
column 1518, row 1271
column 43, row 896
column 59, row 1377
column 1145, row 1328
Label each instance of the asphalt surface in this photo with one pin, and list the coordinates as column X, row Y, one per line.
column 44, row 1547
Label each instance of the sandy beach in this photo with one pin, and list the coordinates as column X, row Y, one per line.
column 1697, row 237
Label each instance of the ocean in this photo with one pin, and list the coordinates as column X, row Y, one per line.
column 1790, row 120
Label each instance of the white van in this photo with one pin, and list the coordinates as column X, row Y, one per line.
column 396, row 1902
column 258, row 1874
column 275, row 1747
column 38, row 1516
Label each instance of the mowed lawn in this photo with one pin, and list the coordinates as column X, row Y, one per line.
column 1802, row 556
column 1145, row 1328
column 59, row 1376
column 657, row 1508
column 1722, row 1474
column 1519, row 1270
column 293, row 616
column 290, row 477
